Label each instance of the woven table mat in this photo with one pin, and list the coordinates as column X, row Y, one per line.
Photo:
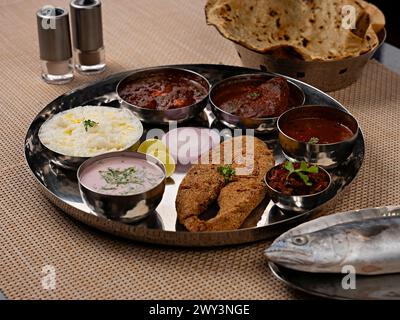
column 93, row 265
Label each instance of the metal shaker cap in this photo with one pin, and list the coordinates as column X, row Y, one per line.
column 87, row 25
column 54, row 34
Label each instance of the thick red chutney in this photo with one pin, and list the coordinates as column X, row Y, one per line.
column 294, row 185
column 163, row 91
column 316, row 130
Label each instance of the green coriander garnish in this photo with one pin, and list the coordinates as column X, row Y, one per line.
column 227, row 172
column 121, row 177
column 313, row 140
column 253, row 95
column 89, row 124
column 301, row 171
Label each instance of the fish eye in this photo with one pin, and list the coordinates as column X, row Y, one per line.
column 300, row 240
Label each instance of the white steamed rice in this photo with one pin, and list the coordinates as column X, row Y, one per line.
column 116, row 130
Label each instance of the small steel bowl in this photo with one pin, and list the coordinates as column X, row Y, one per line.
column 72, row 162
column 260, row 125
column 123, row 208
column 326, row 155
column 298, row 204
column 165, row 116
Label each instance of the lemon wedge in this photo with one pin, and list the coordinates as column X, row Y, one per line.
column 159, row 150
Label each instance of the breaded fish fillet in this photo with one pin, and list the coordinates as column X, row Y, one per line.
column 203, row 185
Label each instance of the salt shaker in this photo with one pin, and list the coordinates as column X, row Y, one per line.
column 87, row 36
column 55, row 45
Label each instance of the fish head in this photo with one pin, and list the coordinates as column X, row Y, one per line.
column 290, row 250
column 308, row 252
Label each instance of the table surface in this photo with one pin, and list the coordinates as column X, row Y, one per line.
column 37, row 238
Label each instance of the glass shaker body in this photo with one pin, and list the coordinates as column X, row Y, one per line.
column 87, row 36
column 57, row 72
column 90, row 61
column 55, row 45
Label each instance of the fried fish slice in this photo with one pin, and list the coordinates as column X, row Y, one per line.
column 197, row 191
column 236, row 201
column 203, row 185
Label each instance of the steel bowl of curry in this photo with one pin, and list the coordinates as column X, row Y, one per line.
column 298, row 186
column 318, row 134
column 254, row 101
column 164, row 94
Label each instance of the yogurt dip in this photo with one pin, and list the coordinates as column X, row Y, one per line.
column 121, row 176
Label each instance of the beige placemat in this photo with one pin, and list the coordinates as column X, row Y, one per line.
column 93, row 265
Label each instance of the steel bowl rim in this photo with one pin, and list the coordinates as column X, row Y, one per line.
column 351, row 139
column 60, row 155
column 259, row 75
column 136, row 155
column 303, row 196
column 160, row 69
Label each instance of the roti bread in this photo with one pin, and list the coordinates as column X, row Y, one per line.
column 308, row 29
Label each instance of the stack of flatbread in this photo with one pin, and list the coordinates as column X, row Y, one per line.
column 307, row 29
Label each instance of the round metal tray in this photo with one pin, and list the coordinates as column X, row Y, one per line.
column 266, row 221
column 329, row 285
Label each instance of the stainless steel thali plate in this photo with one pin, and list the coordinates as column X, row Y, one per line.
column 266, row 221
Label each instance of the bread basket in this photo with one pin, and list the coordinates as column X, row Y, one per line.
column 325, row 75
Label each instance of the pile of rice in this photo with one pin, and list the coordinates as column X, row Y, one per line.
column 115, row 130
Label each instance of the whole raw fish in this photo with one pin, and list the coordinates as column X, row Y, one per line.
column 368, row 240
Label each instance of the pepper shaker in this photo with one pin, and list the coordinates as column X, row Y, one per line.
column 55, row 45
column 87, row 35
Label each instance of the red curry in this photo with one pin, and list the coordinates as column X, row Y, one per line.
column 316, row 130
column 163, row 91
column 278, row 178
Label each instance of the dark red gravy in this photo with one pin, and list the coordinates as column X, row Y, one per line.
column 255, row 98
column 163, row 91
column 326, row 130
